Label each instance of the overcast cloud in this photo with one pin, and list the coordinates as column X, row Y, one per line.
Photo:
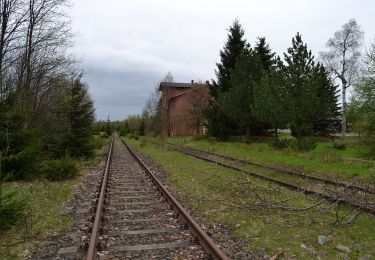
column 127, row 46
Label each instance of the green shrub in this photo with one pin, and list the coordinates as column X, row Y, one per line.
column 12, row 209
column 372, row 153
column 211, row 140
column 133, row 136
column 122, row 132
column 198, row 137
column 338, row 145
column 104, row 135
column 143, row 143
column 57, row 170
column 281, row 143
column 304, row 144
column 22, row 166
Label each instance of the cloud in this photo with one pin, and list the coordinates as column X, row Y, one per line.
column 126, row 46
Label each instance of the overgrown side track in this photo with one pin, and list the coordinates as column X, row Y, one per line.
column 280, row 170
column 137, row 217
column 336, row 193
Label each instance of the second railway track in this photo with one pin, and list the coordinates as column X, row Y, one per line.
column 137, row 218
column 338, row 192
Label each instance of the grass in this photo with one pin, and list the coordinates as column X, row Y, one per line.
column 45, row 208
column 224, row 196
column 45, row 202
column 324, row 161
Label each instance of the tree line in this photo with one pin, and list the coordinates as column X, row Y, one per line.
column 256, row 90
column 46, row 111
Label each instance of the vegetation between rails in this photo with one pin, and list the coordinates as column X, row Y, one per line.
column 269, row 217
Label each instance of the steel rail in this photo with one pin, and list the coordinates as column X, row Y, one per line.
column 204, row 240
column 92, row 250
column 289, row 172
column 370, row 210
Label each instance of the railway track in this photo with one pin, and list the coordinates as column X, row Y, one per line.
column 356, row 196
column 284, row 171
column 137, row 218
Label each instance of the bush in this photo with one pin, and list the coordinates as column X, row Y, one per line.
column 143, row 143
column 338, row 145
column 372, row 152
column 122, row 132
column 22, row 166
column 104, row 135
column 133, row 136
column 211, row 140
column 281, row 143
column 198, row 137
column 12, row 209
column 58, row 170
column 304, row 144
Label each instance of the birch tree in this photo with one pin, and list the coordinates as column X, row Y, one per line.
column 343, row 59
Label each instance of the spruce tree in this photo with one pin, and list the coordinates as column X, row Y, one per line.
column 246, row 77
column 20, row 146
column 219, row 123
column 142, row 128
column 126, row 127
column 237, row 102
column 80, row 114
column 301, row 85
column 234, row 47
column 264, row 53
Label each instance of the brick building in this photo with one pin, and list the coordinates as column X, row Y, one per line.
column 182, row 106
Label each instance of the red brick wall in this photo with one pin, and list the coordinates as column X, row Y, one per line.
column 182, row 122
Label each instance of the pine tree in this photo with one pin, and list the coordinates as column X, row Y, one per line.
column 328, row 118
column 301, row 85
column 269, row 101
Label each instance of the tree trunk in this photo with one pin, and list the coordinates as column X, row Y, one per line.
column 343, row 122
column 248, row 133
column 276, row 134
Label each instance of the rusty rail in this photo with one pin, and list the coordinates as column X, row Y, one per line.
column 91, row 253
column 204, row 240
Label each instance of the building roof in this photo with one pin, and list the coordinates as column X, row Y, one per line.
column 188, row 91
column 179, row 85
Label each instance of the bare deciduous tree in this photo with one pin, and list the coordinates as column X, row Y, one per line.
column 198, row 99
column 153, row 108
column 343, row 59
column 12, row 16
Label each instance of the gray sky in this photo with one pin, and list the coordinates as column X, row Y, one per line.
column 127, row 46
